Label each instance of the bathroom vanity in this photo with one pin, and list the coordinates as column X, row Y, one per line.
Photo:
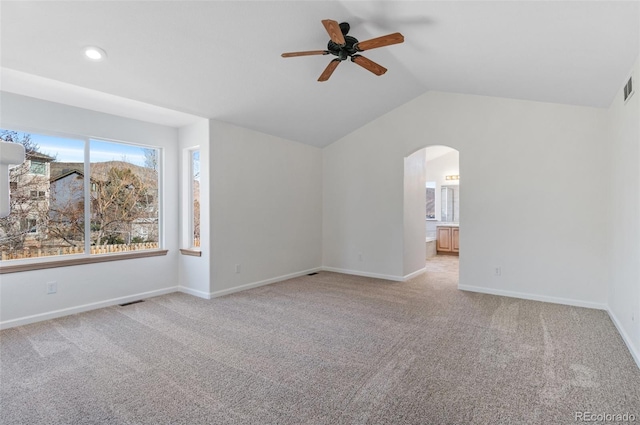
column 447, row 239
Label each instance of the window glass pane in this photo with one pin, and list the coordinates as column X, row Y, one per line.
column 38, row 167
column 124, row 197
column 431, row 200
column 195, row 176
column 47, row 201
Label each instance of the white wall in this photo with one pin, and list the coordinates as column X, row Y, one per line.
column 363, row 203
column 415, row 251
column 23, row 295
column 266, row 208
column 530, row 174
column 624, row 214
column 195, row 272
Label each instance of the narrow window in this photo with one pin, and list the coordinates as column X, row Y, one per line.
column 195, row 197
column 431, row 200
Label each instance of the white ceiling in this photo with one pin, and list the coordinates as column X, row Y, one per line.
column 221, row 59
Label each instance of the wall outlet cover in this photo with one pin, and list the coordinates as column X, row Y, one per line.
column 52, row 287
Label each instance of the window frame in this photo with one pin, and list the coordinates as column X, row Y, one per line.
column 53, row 261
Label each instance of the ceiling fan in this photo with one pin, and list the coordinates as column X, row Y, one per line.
column 344, row 46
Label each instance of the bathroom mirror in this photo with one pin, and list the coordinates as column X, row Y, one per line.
column 449, row 204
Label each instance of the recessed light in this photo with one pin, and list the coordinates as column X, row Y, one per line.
column 94, row 53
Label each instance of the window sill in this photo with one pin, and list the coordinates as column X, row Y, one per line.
column 15, row 268
column 192, row 252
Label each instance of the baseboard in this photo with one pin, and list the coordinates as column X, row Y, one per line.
column 364, row 274
column 625, row 337
column 195, row 292
column 246, row 286
column 533, row 297
column 414, row 274
column 82, row 308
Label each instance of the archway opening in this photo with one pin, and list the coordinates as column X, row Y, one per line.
column 432, row 210
column 442, row 209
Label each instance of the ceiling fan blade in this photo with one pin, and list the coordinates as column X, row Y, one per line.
column 374, row 43
column 368, row 64
column 307, row 53
column 335, row 33
column 329, row 70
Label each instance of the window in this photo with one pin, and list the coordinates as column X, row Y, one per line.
column 37, row 194
column 431, row 200
column 124, row 203
column 29, row 225
column 38, row 168
column 195, row 197
column 52, row 216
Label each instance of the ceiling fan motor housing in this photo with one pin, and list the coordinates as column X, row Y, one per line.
column 345, row 51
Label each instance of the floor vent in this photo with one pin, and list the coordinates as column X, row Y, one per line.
column 132, row 302
column 628, row 89
column 311, row 274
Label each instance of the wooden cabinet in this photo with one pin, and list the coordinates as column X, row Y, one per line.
column 448, row 240
column 455, row 239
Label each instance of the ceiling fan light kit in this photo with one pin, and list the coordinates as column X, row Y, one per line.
column 345, row 47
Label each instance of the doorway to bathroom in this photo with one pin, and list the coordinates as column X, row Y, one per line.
column 442, row 203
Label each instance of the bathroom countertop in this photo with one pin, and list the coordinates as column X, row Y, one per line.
column 448, row 224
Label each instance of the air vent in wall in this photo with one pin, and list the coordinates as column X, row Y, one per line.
column 628, row 89
column 132, row 302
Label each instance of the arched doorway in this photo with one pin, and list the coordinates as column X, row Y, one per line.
column 442, row 224
column 432, row 210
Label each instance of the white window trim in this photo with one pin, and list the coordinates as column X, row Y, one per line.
column 187, row 211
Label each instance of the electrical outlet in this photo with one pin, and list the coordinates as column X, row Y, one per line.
column 498, row 271
column 237, row 268
column 359, row 256
column 52, row 287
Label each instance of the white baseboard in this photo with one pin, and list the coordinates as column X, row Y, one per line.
column 246, row 286
column 82, row 308
column 414, row 274
column 625, row 337
column 533, row 297
column 195, row 292
column 364, row 274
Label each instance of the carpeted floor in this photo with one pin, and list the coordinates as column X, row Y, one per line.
column 323, row 349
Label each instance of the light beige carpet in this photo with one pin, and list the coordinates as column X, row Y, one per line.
column 323, row 349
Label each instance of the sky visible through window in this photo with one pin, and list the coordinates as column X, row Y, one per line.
column 72, row 150
column 195, row 158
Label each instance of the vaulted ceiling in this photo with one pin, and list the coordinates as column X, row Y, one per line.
column 221, row 59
